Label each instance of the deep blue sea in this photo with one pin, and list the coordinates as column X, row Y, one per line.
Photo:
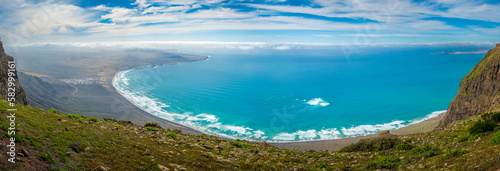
column 301, row 95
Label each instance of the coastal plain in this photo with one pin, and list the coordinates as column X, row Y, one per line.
column 65, row 79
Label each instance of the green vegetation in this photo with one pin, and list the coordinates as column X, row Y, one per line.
column 383, row 163
column 375, row 144
column 151, row 129
column 462, row 138
column 62, row 142
column 172, row 135
column 320, row 165
column 74, row 116
column 52, row 110
column 425, row 151
column 93, row 119
column 47, row 157
column 243, row 145
column 272, row 150
column 152, row 124
column 403, row 146
column 482, row 126
column 454, row 153
column 495, row 139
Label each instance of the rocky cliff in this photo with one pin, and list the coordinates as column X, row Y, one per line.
column 479, row 91
column 20, row 95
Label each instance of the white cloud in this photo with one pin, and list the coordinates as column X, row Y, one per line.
column 398, row 18
column 383, row 35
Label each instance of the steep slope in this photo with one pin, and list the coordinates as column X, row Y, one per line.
column 39, row 93
column 479, row 91
column 20, row 96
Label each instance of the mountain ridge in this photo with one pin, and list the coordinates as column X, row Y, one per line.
column 479, row 90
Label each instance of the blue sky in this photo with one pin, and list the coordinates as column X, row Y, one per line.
column 297, row 21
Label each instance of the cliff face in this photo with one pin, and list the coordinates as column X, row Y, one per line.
column 20, row 95
column 479, row 91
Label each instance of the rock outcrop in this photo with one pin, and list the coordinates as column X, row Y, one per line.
column 479, row 91
column 20, row 96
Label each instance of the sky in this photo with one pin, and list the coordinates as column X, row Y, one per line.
column 270, row 21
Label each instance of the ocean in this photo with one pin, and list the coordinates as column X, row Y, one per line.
column 301, row 94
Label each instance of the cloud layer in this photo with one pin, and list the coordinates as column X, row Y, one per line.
column 331, row 21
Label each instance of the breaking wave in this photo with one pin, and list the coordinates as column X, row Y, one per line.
column 209, row 124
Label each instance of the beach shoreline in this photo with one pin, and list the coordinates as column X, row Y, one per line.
column 337, row 144
column 331, row 145
column 150, row 118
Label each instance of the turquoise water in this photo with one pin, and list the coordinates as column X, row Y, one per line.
column 300, row 95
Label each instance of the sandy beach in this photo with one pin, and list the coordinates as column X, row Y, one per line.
column 337, row 144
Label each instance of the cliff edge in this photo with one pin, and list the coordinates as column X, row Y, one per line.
column 20, row 95
column 479, row 91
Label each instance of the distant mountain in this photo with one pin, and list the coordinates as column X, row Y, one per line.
column 479, row 91
column 20, row 96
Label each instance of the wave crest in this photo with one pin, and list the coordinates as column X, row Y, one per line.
column 318, row 102
column 210, row 124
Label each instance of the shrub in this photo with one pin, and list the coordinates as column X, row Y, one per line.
column 109, row 119
column 374, row 144
column 151, row 129
column 338, row 157
column 474, row 137
column 462, row 139
column 272, row 150
column 403, row 146
column 320, row 165
column 52, row 110
column 482, row 126
column 47, row 157
column 93, row 119
column 171, row 135
column 74, row 116
column 495, row 117
column 496, row 138
column 453, row 153
column 152, row 124
column 244, row 145
column 425, row 151
column 383, row 163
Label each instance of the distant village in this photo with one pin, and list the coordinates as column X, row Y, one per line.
column 86, row 81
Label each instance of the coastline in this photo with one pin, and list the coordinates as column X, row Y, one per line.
column 337, row 144
column 331, row 145
column 147, row 117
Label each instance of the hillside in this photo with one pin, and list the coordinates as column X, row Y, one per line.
column 57, row 141
column 479, row 91
column 40, row 93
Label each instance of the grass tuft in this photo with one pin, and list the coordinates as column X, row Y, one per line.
column 425, row 151
column 495, row 139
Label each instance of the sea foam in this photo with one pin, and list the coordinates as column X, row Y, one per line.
column 210, row 124
column 318, row 102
